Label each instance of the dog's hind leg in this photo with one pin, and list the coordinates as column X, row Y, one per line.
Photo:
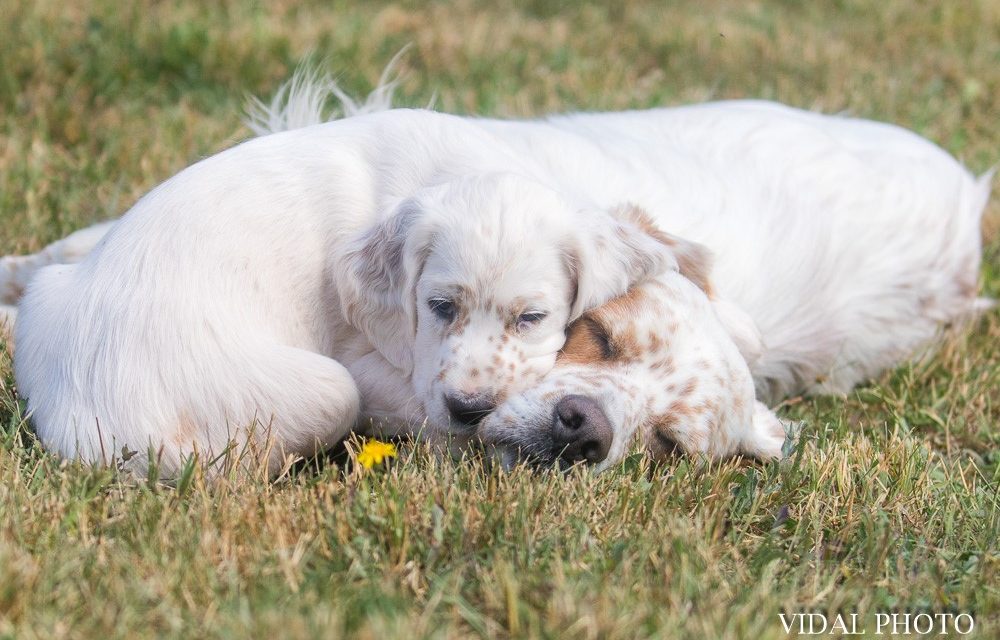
column 314, row 403
column 261, row 407
column 16, row 271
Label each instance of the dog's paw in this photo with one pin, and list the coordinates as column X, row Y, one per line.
column 766, row 439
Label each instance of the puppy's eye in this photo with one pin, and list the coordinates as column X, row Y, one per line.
column 443, row 308
column 529, row 319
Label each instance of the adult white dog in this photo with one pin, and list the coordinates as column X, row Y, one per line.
column 433, row 262
column 849, row 245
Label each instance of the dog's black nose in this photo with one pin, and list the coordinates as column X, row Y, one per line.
column 469, row 409
column 581, row 432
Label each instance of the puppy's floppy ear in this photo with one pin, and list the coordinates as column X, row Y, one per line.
column 377, row 281
column 614, row 250
column 694, row 262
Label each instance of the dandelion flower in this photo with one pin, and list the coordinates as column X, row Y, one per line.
column 375, row 452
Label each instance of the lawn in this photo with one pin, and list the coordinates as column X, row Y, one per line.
column 890, row 502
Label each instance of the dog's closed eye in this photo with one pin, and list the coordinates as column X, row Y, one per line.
column 529, row 319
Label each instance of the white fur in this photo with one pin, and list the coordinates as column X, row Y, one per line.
column 263, row 285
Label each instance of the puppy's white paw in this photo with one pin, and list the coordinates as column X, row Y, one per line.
column 766, row 438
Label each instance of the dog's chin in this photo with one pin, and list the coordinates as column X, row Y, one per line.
column 509, row 457
column 502, row 456
column 523, row 445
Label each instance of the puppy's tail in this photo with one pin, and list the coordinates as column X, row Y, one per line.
column 304, row 99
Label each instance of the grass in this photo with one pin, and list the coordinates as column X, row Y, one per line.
column 891, row 501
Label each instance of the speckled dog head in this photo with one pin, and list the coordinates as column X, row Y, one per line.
column 662, row 367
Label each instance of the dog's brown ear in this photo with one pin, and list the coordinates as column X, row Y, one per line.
column 376, row 281
column 694, row 260
column 612, row 251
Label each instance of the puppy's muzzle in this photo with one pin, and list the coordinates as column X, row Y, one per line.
column 581, row 432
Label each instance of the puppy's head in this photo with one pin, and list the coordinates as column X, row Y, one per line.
column 656, row 364
column 470, row 284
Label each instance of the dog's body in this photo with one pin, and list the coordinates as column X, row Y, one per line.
column 848, row 244
column 271, row 281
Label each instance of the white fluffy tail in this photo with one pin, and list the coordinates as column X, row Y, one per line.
column 303, row 100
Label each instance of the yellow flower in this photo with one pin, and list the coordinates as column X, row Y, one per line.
column 374, row 452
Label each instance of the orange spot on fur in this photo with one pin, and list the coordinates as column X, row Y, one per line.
column 185, row 430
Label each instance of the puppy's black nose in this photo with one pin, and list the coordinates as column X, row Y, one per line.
column 469, row 409
column 581, row 432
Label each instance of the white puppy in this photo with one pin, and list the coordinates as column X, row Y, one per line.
column 249, row 293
